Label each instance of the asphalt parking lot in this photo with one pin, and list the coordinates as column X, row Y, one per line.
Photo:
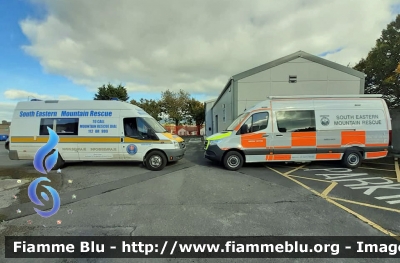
column 196, row 197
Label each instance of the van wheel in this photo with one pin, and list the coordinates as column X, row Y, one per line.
column 352, row 159
column 156, row 161
column 60, row 163
column 233, row 161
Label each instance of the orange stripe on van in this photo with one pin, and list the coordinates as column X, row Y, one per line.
column 376, row 154
column 330, row 146
column 240, row 124
column 353, row 137
column 304, row 139
column 282, row 157
column 282, row 147
column 328, row 156
column 254, row 140
column 376, row 144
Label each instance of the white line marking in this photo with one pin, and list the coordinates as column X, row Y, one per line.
column 165, row 245
column 173, row 248
column 393, row 202
column 387, row 197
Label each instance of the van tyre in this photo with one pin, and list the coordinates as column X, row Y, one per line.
column 156, row 161
column 352, row 159
column 233, row 161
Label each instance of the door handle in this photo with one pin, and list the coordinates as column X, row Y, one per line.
column 265, row 135
column 122, row 139
column 280, row 135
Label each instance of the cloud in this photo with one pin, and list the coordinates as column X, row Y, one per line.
column 195, row 45
column 14, row 94
column 6, row 111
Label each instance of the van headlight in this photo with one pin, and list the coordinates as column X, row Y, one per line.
column 176, row 144
column 214, row 142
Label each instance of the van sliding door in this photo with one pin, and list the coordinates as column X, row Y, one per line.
column 295, row 137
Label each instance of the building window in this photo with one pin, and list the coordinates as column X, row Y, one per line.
column 295, row 121
column 67, row 126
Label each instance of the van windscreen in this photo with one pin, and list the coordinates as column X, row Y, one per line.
column 155, row 125
column 236, row 122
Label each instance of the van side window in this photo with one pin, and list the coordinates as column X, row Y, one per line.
column 130, row 128
column 62, row 126
column 295, row 121
column 257, row 122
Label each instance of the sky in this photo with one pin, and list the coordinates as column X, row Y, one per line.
column 66, row 49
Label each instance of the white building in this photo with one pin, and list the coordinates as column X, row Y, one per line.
column 182, row 131
column 297, row 74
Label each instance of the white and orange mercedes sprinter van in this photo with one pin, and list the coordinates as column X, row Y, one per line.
column 305, row 128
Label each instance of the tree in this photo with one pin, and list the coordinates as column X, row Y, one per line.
column 382, row 65
column 196, row 113
column 152, row 107
column 174, row 104
column 109, row 91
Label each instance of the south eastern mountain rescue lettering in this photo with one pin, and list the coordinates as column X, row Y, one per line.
column 371, row 119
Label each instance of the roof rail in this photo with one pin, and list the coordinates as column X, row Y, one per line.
column 326, row 96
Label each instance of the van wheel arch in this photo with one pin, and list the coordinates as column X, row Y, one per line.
column 152, row 151
column 233, row 151
column 353, row 157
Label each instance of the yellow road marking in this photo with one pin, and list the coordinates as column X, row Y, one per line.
column 308, row 178
column 370, row 168
column 330, row 200
column 379, row 163
column 366, row 204
column 397, row 169
column 295, row 169
column 329, row 189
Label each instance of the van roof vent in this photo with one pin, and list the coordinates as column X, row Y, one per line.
column 51, row 101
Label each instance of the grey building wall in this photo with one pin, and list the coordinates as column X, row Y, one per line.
column 208, row 118
column 311, row 79
column 313, row 76
column 222, row 111
column 395, row 115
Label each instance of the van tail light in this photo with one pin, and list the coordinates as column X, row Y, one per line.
column 390, row 138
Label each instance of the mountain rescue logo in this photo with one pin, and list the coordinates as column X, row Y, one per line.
column 325, row 121
column 131, row 149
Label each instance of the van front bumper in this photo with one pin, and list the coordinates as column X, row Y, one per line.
column 214, row 153
column 13, row 155
column 175, row 154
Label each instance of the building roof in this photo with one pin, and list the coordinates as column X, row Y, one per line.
column 208, row 101
column 280, row 61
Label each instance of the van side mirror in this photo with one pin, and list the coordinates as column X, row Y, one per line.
column 244, row 129
column 152, row 134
